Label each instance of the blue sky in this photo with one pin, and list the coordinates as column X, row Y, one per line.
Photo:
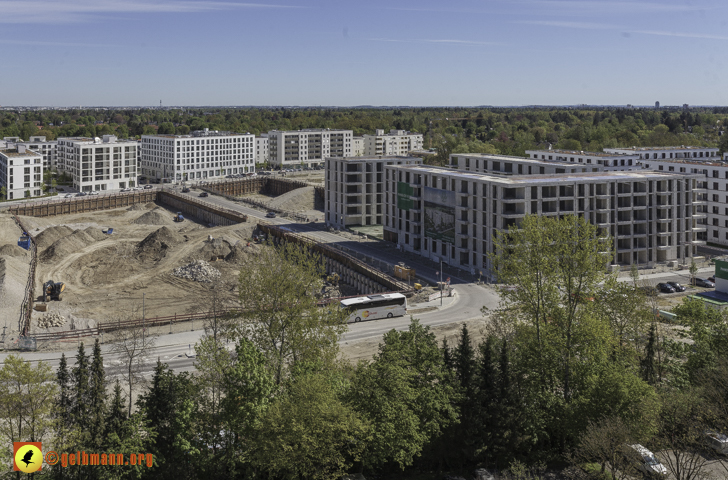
column 340, row 52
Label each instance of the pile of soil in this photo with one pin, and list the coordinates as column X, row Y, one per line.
column 298, row 200
column 13, row 251
column 95, row 233
column 215, row 248
column 155, row 246
column 158, row 216
column 136, row 207
column 65, row 246
column 240, row 251
column 47, row 237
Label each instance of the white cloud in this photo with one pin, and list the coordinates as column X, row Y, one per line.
column 681, row 34
column 55, row 11
column 441, row 41
column 578, row 25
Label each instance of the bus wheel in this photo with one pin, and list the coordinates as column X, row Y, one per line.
column 357, row 319
column 389, row 315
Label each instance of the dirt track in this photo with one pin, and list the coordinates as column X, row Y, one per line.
column 107, row 278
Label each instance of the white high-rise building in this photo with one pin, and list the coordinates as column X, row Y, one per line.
column 21, row 172
column 98, row 164
column 308, row 147
column 396, row 142
column 201, row 155
column 357, row 147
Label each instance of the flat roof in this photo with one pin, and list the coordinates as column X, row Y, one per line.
column 374, row 157
column 547, row 178
column 512, row 158
column 684, row 161
column 578, row 152
column 13, row 152
column 649, row 149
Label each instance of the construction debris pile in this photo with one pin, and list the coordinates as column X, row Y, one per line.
column 53, row 319
column 198, row 271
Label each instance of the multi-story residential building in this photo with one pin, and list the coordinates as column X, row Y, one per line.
column 396, row 142
column 355, row 189
column 261, row 149
column 357, row 146
column 21, row 172
column 308, row 147
column 614, row 161
column 98, row 164
column 667, row 153
column 453, row 215
column 38, row 144
column 201, row 155
column 510, row 165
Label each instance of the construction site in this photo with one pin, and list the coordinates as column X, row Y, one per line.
column 138, row 261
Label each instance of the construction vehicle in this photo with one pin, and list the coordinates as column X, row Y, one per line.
column 179, row 217
column 53, row 290
column 24, row 241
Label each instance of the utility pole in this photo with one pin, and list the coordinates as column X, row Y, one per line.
column 144, row 321
column 441, row 282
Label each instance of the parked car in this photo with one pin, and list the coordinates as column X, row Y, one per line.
column 665, row 288
column 717, row 441
column 203, row 194
column 645, row 461
column 93, row 193
column 677, row 286
column 81, row 194
column 126, row 189
column 68, row 195
column 148, row 187
column 270, row 215
column 702, row 282
column 185, row 190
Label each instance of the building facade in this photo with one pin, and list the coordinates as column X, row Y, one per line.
column 614, row 161
column 201, row 155
column 355, row 189
column 98, row 164
column 357, row 147
column 510, row 165
column 261, row 149
column 668, row 153
column 21, row 172
column 308, row 147
column 396, row 142
column 453, row 215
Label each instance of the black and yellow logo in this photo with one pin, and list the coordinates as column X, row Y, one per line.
column 27, row 457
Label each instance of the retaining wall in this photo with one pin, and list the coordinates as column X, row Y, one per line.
column 89, row 203
column 265, row 185
column 201, row 210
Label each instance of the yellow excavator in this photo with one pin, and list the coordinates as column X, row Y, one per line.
column 53, row 290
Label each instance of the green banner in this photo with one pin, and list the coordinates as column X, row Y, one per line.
column 404, row 196
column 721, row 269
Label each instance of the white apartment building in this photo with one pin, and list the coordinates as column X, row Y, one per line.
column 201, row 155
column 453, row 215
column 261, row 149
column 38, row 144
column 355, row 189
column 510, row 165
column 21, row 172
column 357, row 146
column 98, row 164
column 666, row 153
column 611, row 161
column 308, row 147
column 396, row 142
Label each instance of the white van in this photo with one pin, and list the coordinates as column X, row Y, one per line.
column 646, row 462
column 717, row 441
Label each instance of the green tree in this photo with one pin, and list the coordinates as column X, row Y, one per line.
column 309, row 432
column 95, row 423
column 280, row 315
column 406, row 396
column 26, row 403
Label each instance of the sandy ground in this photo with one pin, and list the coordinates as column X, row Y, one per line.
column 14, row 270
column 111, row 276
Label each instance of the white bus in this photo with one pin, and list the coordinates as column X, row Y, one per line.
column 373, row 307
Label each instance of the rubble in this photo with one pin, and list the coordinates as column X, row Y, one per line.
column 198, row 271
column 53, row 319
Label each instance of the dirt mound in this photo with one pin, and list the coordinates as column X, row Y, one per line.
column 13, row 251
column 136, row 207
column 49, row 236
column 218, row 247
column 241, row 250
column 158, row 216
column 155, row 246
column 298, row 200
column 95, row 233
column 65, row 246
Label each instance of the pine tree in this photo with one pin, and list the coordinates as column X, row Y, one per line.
column 80, row 394
column 116, row 413
column 509, row 411
column 446, row 354
column 465, row 432
column 97, row 398
column 465, row 362
column 63, row 405
column 487, row 401
column 648, row 363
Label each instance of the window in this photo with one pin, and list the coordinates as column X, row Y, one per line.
column 715, row 233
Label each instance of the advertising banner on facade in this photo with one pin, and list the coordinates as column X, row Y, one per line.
column 404, row 196
column 721, row 269
column 439, row 214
